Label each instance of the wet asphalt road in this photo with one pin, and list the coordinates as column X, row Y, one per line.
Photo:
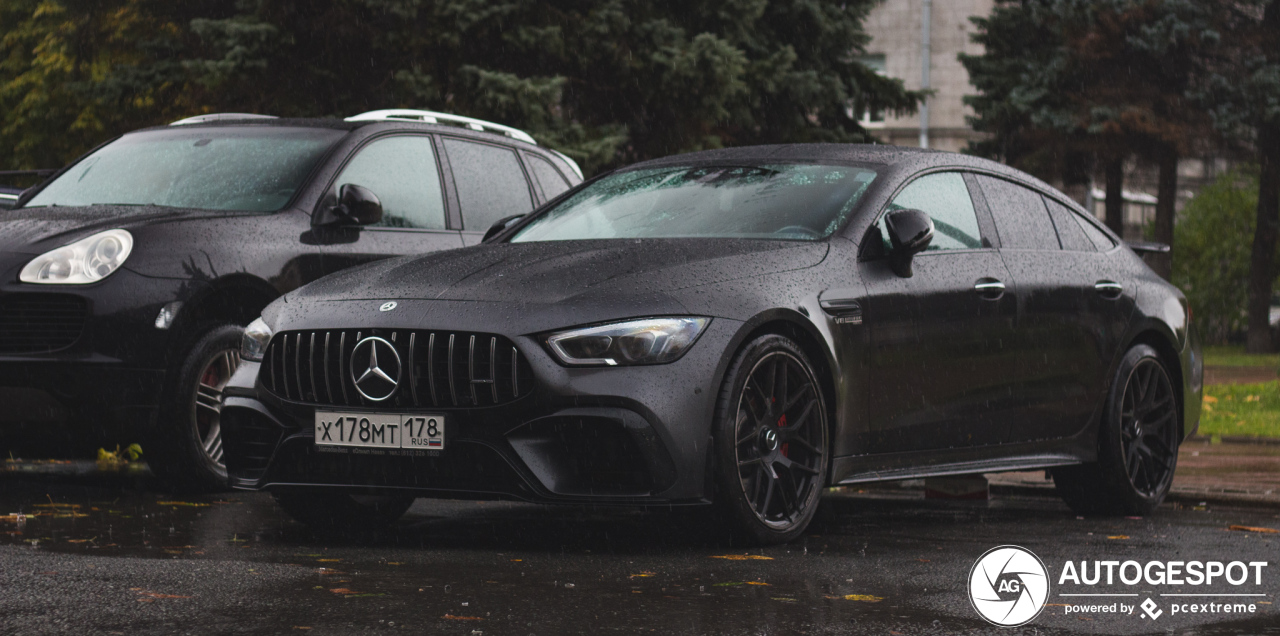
column 113, row 554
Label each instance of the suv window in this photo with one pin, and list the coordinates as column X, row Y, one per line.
column 945, row 198
column 490, row 182
column 402, row 172
column 553, row 183
column 1070, row 234
column 1020, row 215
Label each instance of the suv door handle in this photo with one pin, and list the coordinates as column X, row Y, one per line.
column 989, row 288
column 1108, row 289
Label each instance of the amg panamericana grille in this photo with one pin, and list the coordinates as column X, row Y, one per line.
column 439, row 369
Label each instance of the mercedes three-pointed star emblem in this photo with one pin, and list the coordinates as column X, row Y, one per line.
column 375, row 368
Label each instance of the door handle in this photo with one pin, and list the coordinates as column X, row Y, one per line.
column 1108, row 289
column 989, row 288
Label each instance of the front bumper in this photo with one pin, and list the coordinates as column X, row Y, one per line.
column 601, row 435
column 101, row 379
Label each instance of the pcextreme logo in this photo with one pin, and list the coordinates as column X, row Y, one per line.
column 1008, row 586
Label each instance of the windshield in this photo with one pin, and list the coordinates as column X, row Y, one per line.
column 254, row 169
column 794, row 202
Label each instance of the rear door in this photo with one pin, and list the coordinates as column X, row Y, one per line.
column 1067, row 311
column 490, row 182
column 404, row 173
column 940, row 359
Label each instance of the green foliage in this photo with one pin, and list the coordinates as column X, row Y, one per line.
column 1235, row 356
column 1214, row 246
column 1063, row 77
column 606, row 81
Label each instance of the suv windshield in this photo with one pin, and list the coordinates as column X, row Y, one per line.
column 793, row 202
column 254, row 169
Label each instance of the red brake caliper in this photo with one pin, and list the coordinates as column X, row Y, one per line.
column 782, row 423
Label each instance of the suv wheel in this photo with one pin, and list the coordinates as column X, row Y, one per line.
column 188, row 450
column 1137, row 443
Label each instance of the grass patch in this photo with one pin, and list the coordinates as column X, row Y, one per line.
column 1248, row 410
column 1234, row 356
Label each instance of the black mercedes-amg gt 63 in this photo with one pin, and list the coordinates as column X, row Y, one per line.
column 741, row 328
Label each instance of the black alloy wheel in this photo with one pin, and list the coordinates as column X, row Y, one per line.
column 1148, row 428
column 774, row 452
column 1137, row 443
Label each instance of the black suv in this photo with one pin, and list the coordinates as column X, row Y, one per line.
column 125, row 279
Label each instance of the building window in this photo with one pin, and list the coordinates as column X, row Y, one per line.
column 873, row 118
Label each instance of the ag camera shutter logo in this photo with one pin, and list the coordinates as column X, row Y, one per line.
column 1008, row 586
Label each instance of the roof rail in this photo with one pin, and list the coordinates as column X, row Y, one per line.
column 201, row 119
column 432, row 117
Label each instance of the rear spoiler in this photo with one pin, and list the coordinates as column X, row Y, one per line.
column 1147, row 247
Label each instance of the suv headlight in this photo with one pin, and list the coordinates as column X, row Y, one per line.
column 88, row 260
column 253, row 345
column 645, row 341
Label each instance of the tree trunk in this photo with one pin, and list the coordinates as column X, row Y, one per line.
column 1262, row 261
column 1115, row 195
column 1166, row 207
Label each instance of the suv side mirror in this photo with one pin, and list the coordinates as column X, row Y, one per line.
column 356, row 204
column 910, row 232
column 501, row 224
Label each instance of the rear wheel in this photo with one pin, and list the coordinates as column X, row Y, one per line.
column 342, row 514
column 1137, row 443
column 771, row 442
column 187, row 453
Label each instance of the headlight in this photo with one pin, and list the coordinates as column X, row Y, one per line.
column 88, row 260
column 253, row 345
column 646, row 341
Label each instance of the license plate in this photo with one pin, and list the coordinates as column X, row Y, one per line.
column 380, row 430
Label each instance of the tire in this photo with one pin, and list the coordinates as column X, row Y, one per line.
column 339, row 514
column 187, row 452
column 771, row 443
column 1137, row 443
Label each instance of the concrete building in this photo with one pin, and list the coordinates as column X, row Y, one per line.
column 903, row 33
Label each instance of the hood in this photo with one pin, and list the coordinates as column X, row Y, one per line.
column 38, row 230
column 563, row 271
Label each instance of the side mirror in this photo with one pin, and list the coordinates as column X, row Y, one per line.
column 910, row 232
column 356, row 204
column 501, row 224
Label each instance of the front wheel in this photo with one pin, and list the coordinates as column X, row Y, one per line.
column 1137, row 444
column 770, row 442
column 187, row 452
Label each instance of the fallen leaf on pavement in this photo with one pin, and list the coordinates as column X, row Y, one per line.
column 159, row 595
column 641, row 575
column 743, row 557
column 865, row 598
column 1253, row 529
column 1118, row 536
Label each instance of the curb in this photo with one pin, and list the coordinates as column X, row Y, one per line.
column 1184, row 497
column 1232, row 439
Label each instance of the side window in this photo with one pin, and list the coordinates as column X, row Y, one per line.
column 1070, row 234
column 945, row 198
column 1020, row 216
column 1098, row 237
column 402, row 172
column 553, row 183
column 490, row 182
